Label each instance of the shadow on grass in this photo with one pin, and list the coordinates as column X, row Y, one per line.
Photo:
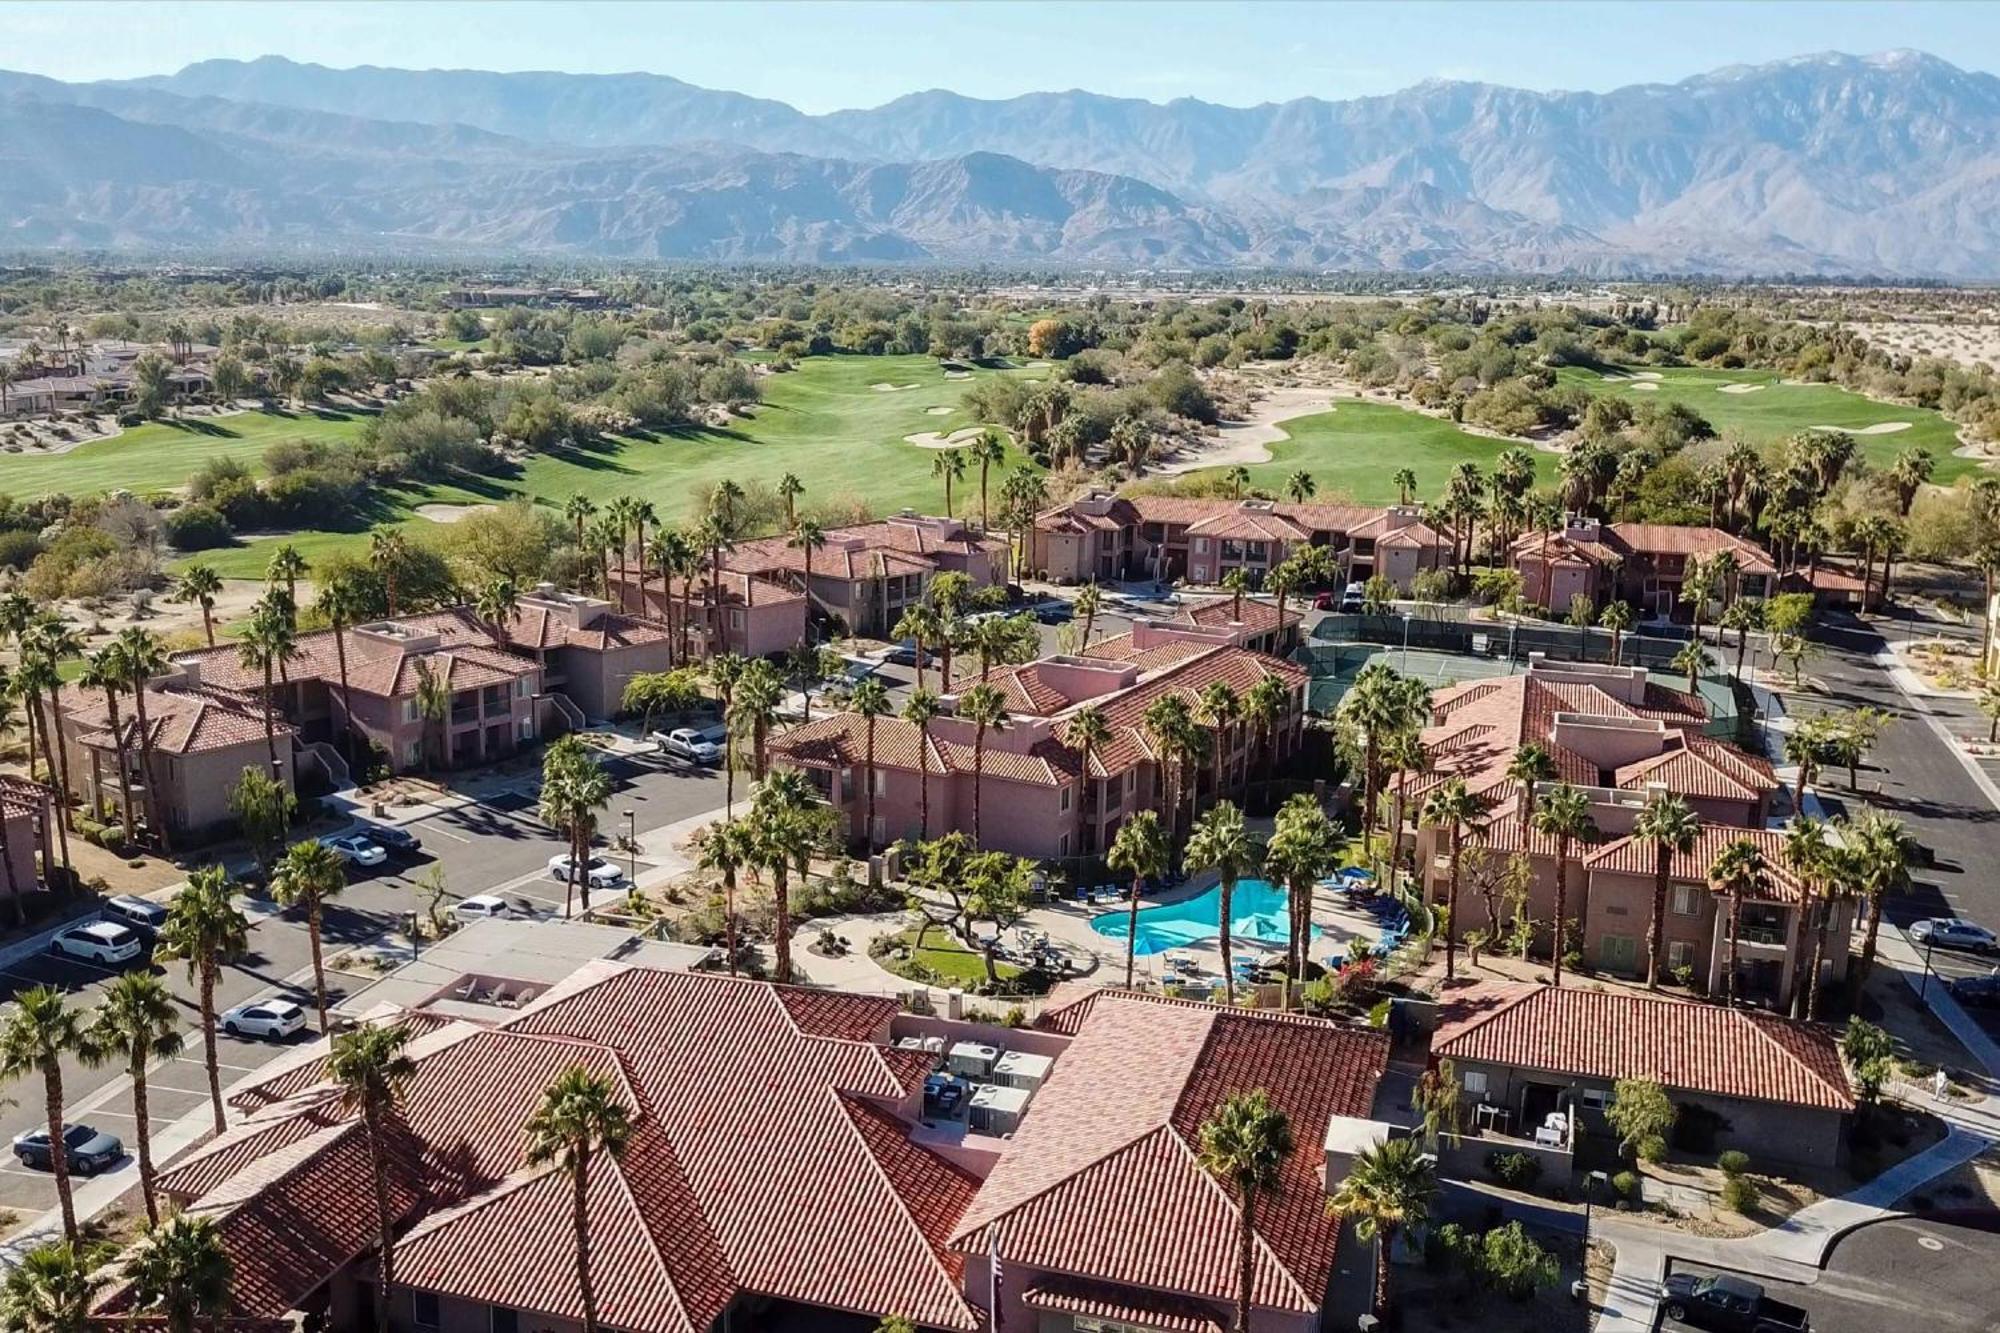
column 201, row 426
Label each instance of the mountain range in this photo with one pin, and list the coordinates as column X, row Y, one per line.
column 1885, row 165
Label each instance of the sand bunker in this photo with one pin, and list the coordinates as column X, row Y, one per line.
column 1879, row 428
column 1645, row 386
column 448, row 513
column 937, row 411
column 1647, row 375
column 958, row 439
column 1247, row 441
column 1741, row 388
column 885, row 387
column 954, row 375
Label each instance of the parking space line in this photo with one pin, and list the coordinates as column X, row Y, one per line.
column 116, row 1115
column 23, row 1171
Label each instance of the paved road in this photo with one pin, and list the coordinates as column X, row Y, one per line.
column 1906, row 1273
column 480, row 848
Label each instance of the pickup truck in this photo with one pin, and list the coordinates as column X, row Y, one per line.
column 1729, row 1305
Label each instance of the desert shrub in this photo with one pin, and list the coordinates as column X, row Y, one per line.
column 1626, row 1184
column 1515, row 1170
column 1653, row 1149
column 19, row 549
column 198, row 527
column 1513, row 1264
column 1738, row 1194
column 1733, row 1162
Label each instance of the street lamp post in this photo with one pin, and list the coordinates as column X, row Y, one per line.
column 1591, row 1181
column 1407, row 615
column 632, row 841
column 1924, row 986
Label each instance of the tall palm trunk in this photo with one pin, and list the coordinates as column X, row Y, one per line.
column 1562, row 908
column 923, row 780
column 1246, row 1258
column 1132, row 928
column 1735, row 926
column 1818, row 958
column 49, row 744
column 1868, row 940
column 1228, row 887
column 729, row 916
column 385, row 1219
column 270, row 723
column 143, row 1127
column 1663, row 864
column 52, row 1089
column 580, row 1205
column 209, row 1057
column 313, row 921
column 868, row 834
column 67, row 813
column 781, row 914
column 124, row 752
column 1451, row 904
column 346, row 704
column 1385, row 1241
column 978, row 773
column 154, row 817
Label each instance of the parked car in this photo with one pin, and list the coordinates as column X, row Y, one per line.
column 906, row 654
column 398, row 840
column 687, row 743
column 272, row 1019
column 1354, row 599
column 88, row 1150
column 1055, row 611
column 143, row 915
column 1977, row 992
column 356, row 849
column 601, row 873
column 1729, row 1305
column 494, row 906
column 104, row 942
column 1950, row 932
column 1324, row 601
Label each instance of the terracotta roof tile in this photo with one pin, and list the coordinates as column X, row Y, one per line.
column 1633, row 856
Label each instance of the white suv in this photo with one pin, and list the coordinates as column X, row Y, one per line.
column 272, row 1019
column 104, row 942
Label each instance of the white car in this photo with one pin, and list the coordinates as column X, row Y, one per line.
column 271, row 1019
column 356, row 849
column 1947, row 932
column 689, row 744
column 104, row 942
column 601, row 873
column 491, row 906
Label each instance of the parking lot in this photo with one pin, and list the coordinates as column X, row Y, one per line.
column 1904, row 1273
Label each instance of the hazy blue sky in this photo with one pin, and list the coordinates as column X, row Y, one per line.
column 828, row 55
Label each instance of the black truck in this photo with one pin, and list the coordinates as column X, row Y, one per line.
column 1729, row 1305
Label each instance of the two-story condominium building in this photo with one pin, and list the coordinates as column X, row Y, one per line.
column 1623, row 741
column 26, row 809
column 790, row 1167
column 1644, row 564
column 1035, row 797
column 1105, row 537
column 863, row 577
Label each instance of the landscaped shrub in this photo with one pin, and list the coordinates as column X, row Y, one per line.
column 1733, row 1162
column 198, row 527
column 1514, row 1265
column 1626, row 1184
column 1653, row 1150
column 1738, row 1194
column 1515, row 1170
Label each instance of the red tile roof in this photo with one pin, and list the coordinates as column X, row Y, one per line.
column 1110, row 1150
column 1634, row 856
column 1093, row 1300
column 20, row 798
column 1614, row 1034
column 181, row 721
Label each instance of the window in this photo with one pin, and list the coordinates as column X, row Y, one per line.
column 1686, row 900
column 414, row 753
column 1131, row 780
column 736, row 620
column 1680, row 953
column 1474, row 1082
column 527, row 728
column 1062, row 845
column 424, row 1309
column 1062, row 800
column 1595, row 1099
column 505, row 1320
column 1201, row 546
column 522, row 688
column 409, row 710
column 880, row 782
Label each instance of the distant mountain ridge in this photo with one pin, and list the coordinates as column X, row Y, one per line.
column 1886, row 165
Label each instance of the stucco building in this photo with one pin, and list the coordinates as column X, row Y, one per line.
column 1644, row 564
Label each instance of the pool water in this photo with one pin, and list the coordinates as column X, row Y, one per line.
column 1258, row 910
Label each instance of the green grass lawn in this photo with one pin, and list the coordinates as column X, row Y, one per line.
column 1778, row 410
column 1354, row 450
column 163, row 454
column 942, row 959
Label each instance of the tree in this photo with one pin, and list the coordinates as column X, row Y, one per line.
column 1670, row 826
column 1219, row 839
column 1244, row 1144
column 388, row 552
column 1379, row 704
column 1171, row 730
column 1087, row 732
column 1738, row 873
column 987, row 450
column 650, row 693
column 105, row 670
column 807, row 536
column 919, row 710
column 1405, row 482
column 1564, row 814
column 495, row 606
column 1640, row 1111
column 53, row 1286
column 790, row 488
column 574, row 788
column 753, row 709
column 371, row 1066
column 287, row 566
column 1139, row 851
column 136, row 1020
column 1304, row 848
column 1089, row 601
column 140, row 653
column 34, row 1037
column 784, row 817
column 986, row 709
column 1531, row 765
column 1582, row 612
column 50, row 642
column 1220, row 708
column 341, row 601
column 267, row 641
column 1617, row 617
column 1300, row 486
column 199, row 585
column 725, row 849
column 263, row 809
column 922, row 626
column 869, row 702
column 204, row 930
column 580, row 1116
column 1694, row 659
column 997, row 891
column 1809, row 854
column 1238, row 477
column 311, row 873
column 1451, row 807
column 948, row 464
column 1742, row 615
column 1870, row 1053
column 1882, row 849
column 181, row 1270
column 1263, row 704
column 1388, row 1187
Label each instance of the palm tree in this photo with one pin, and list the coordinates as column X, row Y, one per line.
column 433, row 700
column 1089, row 601
column 1741, row 615
column 287, row 566
column 574, row 788
column 1244, row 1144
column 1236, row 583
column 1694, row 659
column 725, row 671
column 987, row 450
column 1220, row 840
column 580, row 1116
column 1564, row 814
column 986, row 709
column 204, row 930
column 1738, row 872
column 869, row 701
column 921, row 625
column 1405, row 482
column 371, row 1066
column 340, row 601
column 1087, row 732
column 920, row 709
column 199, row 585
column 1531, row 766
column 310, row 873
column 49, row 643
column 1238, row 477
column 267, row 641
column 34, row 1037
column 140, row 652
column 806, row 538
column 755, row 709
column 1388, row 1188
column 726, row 848
column 1451, row 807
column 496, row 604
column 640, row 512
column 1220, row 709
column 105, row 670
column 1170, row 728
column 388, row 552
column 1300, row 486
column 1882, row 852
column 181, row 1269
column 1139, row 850
column 14, row 897
column 1809, row 854
column 1304, row 847
column 1404, row 755
column 1379, row 704
column 1617, row 617
column 579, row 510
column 782, row 828
column 136, row 1020
column 950, row 465
column 53, row 1287
column 1670, row 825
column 1263, row 705
column 790, row 488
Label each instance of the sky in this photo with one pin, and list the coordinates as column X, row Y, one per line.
column 825, row 56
